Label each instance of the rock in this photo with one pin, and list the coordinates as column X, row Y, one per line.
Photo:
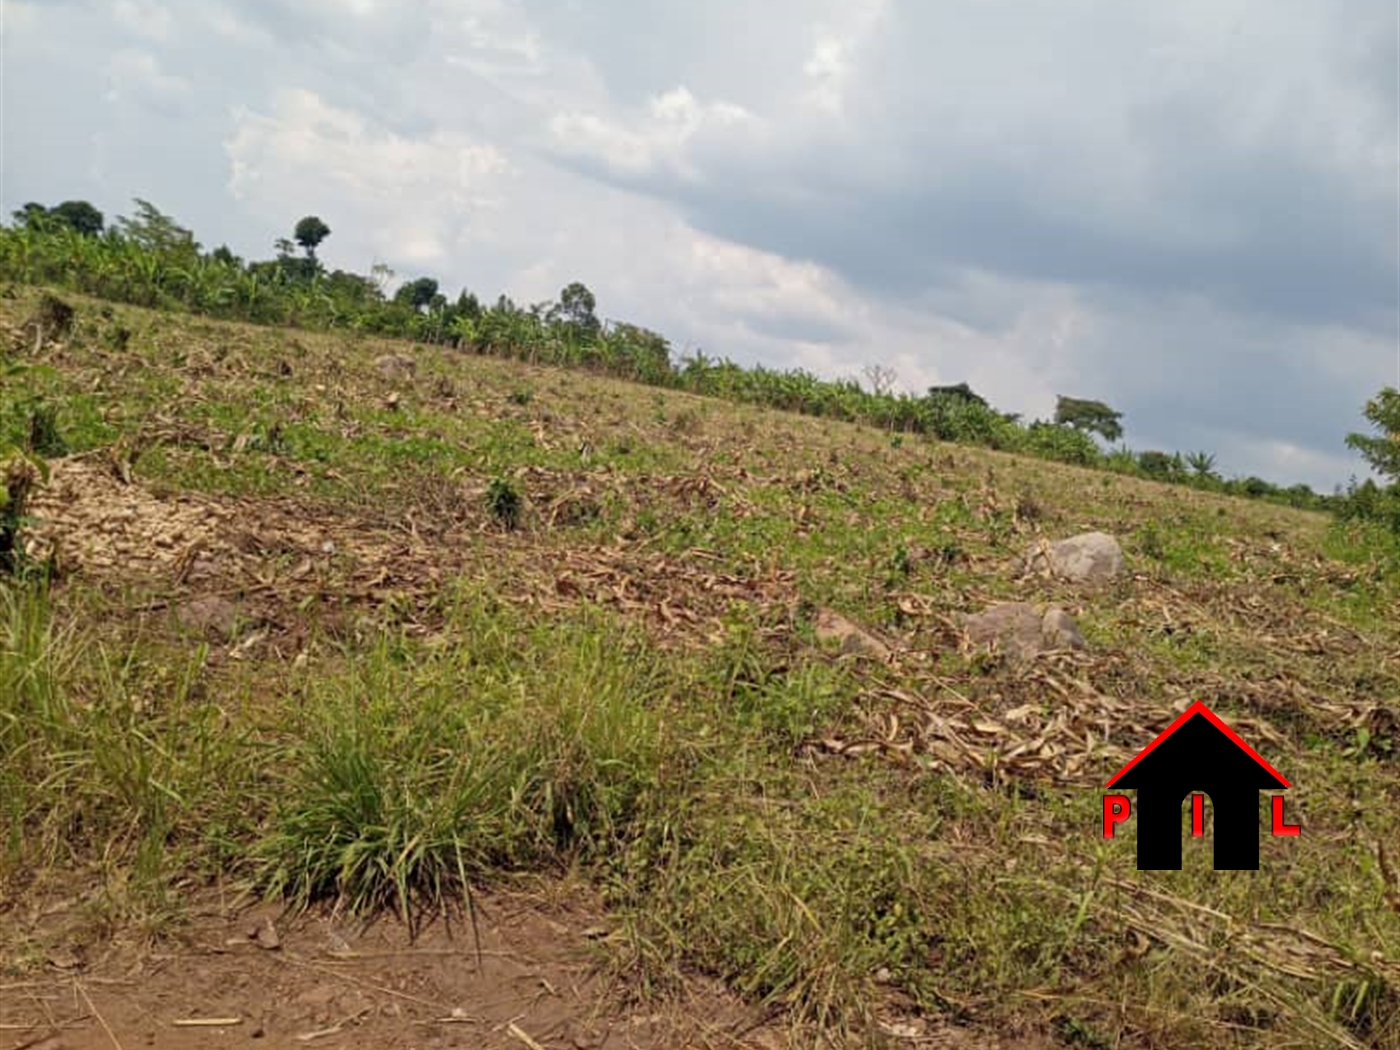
column 209, row 615
column 1059, row 631
column 833, row 627
column 1091, row 557
column 394, row 367
column 266, row 936
column 1022, row 632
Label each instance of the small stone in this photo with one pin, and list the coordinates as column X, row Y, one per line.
column 833, row 627
column 267, row 937
column 209, row 615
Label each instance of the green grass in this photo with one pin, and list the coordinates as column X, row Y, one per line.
column 492, row 722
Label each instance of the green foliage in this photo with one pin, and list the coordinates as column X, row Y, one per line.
column 418, row 293
column 44, row 438
column 1063, row 443
column 310, row 231
column 18, row 476
column 1090, row 416
column 1161, row 465
column 1381, row 450
column 574, row 312
column 156, row 233
column 1202, row 464
column 957, row 392
column 504, row 503
column 414, row 775
column 1371, row 502
column 151, row 260
column 104, row 750
column 78, row 216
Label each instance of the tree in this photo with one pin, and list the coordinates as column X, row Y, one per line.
column 417, row 293
column 575, row 310
column 1157, row 464
column 1202, row 464
column 154, row 231
column 31, row 215
column 1089, row 416
column 79, row 216
column 468, row 305
column 882, row 379
column 958, row 392
column 309, row 233
column 224, row 255
column 1382, row 451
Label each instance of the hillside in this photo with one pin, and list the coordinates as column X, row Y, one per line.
column 356, row 622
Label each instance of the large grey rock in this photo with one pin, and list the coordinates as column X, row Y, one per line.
column 1091, row 557
column 1021, row 631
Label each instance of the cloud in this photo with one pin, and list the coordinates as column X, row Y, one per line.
column 137, row 77
column 414, row 199
column 1188, row 210
column 661, row 142
column 141, row 18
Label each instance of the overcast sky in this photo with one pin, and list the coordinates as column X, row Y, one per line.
column 1190, row 210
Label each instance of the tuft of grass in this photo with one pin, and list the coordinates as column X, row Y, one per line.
column 416, row 773
column 107, row 752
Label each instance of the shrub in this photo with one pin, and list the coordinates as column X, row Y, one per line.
column 504, row 503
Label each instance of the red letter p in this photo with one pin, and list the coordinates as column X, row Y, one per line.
column 1116, row 809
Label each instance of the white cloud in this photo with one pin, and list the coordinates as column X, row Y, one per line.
column 831, row 65
column 411, row 199
column 137, row 76
column 145, row 19
column 660, row 142
column 1155, row 205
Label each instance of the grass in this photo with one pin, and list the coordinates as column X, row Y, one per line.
column 566, row 627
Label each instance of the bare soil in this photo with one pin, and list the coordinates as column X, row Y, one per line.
column 256, row 977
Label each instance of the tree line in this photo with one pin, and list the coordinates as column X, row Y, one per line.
column 149, row 259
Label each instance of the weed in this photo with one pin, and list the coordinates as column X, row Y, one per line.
column 19, row 479
column 503, row 502
column 43, row 438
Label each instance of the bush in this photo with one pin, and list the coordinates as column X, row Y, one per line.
column 1061, row 443
column 1371, row 502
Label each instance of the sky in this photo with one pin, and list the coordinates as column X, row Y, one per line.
column 1189, row 210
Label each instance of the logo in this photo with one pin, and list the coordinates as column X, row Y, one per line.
column 1197, row 753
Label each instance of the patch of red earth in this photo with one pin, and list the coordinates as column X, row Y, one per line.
column 258, row 979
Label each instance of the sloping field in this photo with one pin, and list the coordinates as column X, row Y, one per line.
column 632, row 718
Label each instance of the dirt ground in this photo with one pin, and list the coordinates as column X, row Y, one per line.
column 257, row 977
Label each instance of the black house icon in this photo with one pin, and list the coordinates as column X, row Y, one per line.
column 1198, row 752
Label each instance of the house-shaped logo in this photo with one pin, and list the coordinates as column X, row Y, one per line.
column 1197, row 753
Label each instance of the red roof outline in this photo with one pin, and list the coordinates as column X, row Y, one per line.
column 1199, row 708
